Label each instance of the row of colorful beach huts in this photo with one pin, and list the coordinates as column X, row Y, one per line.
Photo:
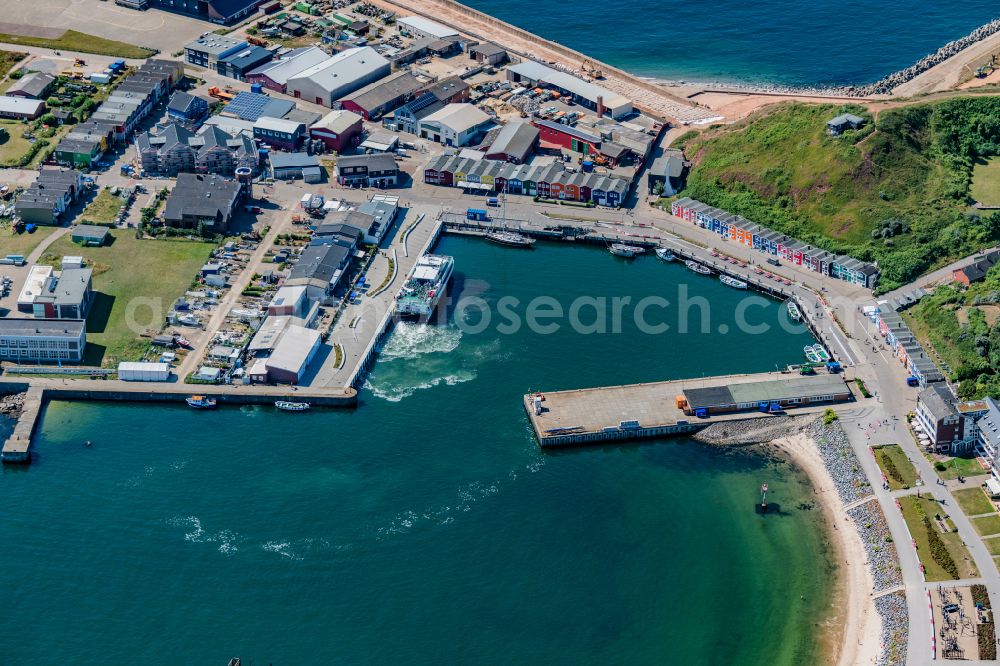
column 548, row 181
column 743, row 231
column 903, row 343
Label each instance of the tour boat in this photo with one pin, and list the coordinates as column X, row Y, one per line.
column 698, row 268
column 201, row 402
column 510, row 238
column 289, row 406
column 625, row 250
column 426, row 285
column 793, row 311
column 732, row 282
column 665, row 254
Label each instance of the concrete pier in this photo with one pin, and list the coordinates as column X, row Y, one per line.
column 637, row 411
column 17, row 449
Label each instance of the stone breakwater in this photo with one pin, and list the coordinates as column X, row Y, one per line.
column 839, row 459
column 886, row 85
column 751, row 431
column 11, row 405
column 883, row 560
column 895, row 628
column 883, row 86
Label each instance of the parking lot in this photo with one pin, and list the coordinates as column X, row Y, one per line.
column 152, row 28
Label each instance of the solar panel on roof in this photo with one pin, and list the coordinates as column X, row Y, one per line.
column 248, row 105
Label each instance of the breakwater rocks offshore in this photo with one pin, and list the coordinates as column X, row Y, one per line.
column 883, row 560
column 895, row 628
column 883, row 86
column 839, row 459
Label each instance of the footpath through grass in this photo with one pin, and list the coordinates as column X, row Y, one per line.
column 134, row 280
column 943, row 555
column 71, row 40
column 896, row 466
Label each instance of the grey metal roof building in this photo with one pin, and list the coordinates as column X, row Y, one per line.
column 34, row 85
column 794, row 391
column 340, row 75
column 514, row 143
column 377, row 99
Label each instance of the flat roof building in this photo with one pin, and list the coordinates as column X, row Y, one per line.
column 420, row 27
column 799, row 391
column 292, row 354
column 42, row 340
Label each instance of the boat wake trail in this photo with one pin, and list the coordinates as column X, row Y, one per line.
column 229, row 541
column 422, row 356
column 466, row 497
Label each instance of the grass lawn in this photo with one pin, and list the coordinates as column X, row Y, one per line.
column 104, row 208
column 8, row 59
column 986, row 182
column 974, row 501
column 23, row 243
column 71, row 40
column 987, row 525
column 913, row 511
column 128, row 269
column 892, row 458
column 12, row 144
column 993, row 545
column 957, row 467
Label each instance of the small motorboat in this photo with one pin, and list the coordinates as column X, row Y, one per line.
column 730, row 281
column 201, row 402
column 698, row 268
column 665, row 254
column 625, row 250
column 289, row 406
column 793, row 311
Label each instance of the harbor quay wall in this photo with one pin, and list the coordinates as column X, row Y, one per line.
column 618, row 435
column 348, row 399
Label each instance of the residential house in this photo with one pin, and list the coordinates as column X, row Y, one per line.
column 175, row 149
column 50, row 196
column 976, row 269
column 199, row 199
column 374, row 170
column 21, row 108
column 666, row 174
column 186, row 109
column 844, row 122
column 938, row 416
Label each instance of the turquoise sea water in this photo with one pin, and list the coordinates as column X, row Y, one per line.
column 426, row 526
column 824, row 42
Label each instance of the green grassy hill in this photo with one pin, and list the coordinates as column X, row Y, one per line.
column 897, row 193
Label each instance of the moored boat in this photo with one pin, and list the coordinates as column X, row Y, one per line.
column 730, row 281
column 625, row 250
column 698, row 268
column 821, row 353
column 510, row 238
column 289, row 406
column 426, row 285
column 793, row 311
column 201, row 402
column 665, row 254
column 811, row 354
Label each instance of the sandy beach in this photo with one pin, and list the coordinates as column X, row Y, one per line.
column 854, row 627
